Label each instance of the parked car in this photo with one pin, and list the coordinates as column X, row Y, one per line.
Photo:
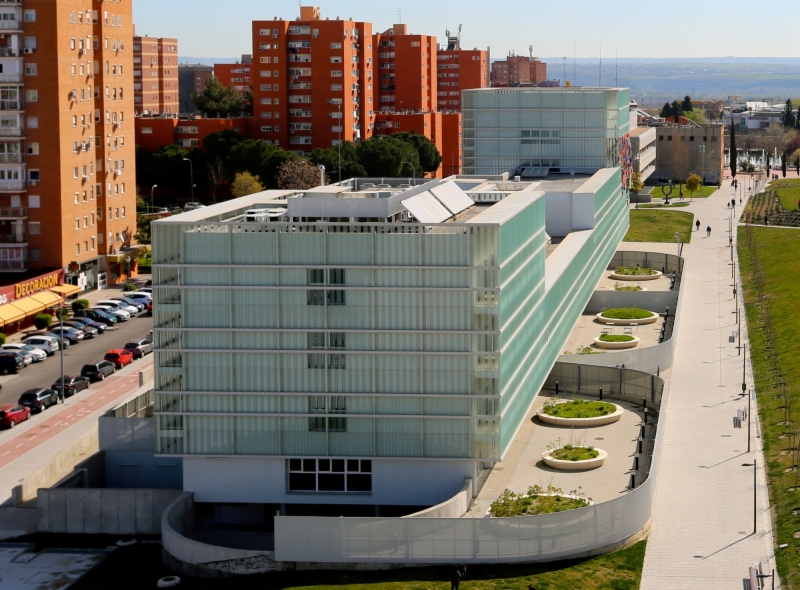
column 72, row 335
column 59, row 340
column 98, row 371
column 146, row 298
column 119, row 305
column 96, row 315
column 121, row 315
column 72, row 385
column 119, row 357
column 10, row 415
column 132, row 302
column 88, row 331
column 26, row 358
column 192, row 205
column 148, row 290
column 38, row 400
column 37, row 353
column 99, row 326
column 46, row 343
column 139, row 348
column 11, row 363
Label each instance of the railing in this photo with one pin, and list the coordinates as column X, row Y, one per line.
column 10, row 52
column 11, row 158
column 10, row 25
column 13, row 265
column 12, row 185
column 12, row 105
column 13, row 238
column 10, row 77
column 13, row 212
column 12, row 131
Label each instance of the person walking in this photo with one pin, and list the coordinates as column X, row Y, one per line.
column 708, row 231
column 697, row 224
column 455, row 579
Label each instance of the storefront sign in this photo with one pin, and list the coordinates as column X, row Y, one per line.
column 36, row 285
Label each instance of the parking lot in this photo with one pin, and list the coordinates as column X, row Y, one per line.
column 45, row 373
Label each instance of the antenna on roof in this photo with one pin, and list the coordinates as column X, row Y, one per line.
column 565, row 70
column 600, row 71
column 530, row 51
column 459, row 35
column 399, row 16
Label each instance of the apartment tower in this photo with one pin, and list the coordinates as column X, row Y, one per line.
column 156, row 75
column 67, row 173
column 518, row 70
column 333, row 55
column 459, row 69
column 406, row 70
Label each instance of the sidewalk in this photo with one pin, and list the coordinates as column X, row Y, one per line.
column 702, row 527
column 29, row 446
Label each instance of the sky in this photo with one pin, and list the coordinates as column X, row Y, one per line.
column 207, row 28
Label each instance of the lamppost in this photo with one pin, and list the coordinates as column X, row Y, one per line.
column 413, row 169
column 755, row 489
column 154, row 187
column 702, row 150
column 191, row 174
column 678, row 241
column 61, row 336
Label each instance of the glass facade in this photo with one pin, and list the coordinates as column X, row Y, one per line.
column 363, row 339
column 563, row 129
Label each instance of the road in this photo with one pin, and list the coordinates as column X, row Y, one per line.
column 44, row 374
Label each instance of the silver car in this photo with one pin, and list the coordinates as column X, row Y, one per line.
column 37, row 354
column 48, row 344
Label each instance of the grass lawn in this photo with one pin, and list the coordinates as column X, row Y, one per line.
column 139, row 566
column 705, row 191
column 778, row 249
column 788, row 191
column 659, row 226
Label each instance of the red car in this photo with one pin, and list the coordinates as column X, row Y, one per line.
column 10, row 416
column 119, row 357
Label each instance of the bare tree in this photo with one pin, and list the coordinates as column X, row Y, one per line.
column 298, row 175
column 215, row 172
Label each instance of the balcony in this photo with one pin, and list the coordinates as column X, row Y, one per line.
column 11, row 158
column 10, row 78
column 13, row 265
column 20, row 238
column 10, row 52
column 13, row 213
column 11, row 132
column 12, row 105
column 10, row 25
column 12, row 185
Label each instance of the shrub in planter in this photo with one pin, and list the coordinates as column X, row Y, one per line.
column 616, row 338
column 61, row 314
column 130, row 287
column 42, row 321
column 79, row 304
column 626, row 313
column 2, row 339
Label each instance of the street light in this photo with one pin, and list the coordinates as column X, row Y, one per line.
column 155, row 186
column 61, row 336
column 755, row 488
column 191, row 174
column 414, row 170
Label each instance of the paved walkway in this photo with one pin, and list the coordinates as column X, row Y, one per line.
column 702, row 527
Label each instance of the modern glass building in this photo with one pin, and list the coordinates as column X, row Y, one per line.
column 558, row 129
column 374, row 342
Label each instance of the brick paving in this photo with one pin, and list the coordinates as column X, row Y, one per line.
column 702, row 527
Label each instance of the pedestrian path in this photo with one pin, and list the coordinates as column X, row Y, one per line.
column 702, row 527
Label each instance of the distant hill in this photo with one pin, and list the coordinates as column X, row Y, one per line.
column 207, row 61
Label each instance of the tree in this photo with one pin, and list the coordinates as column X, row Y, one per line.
column 215, row 100
column 330, row 159
column 680, row 162
column 636, row 182
column 783, row 164
column 666, row 110
column 734, row 153
column 42, row 321
column 676, row 110
column 429, row 156
column 686, row 105
column 220, row 145
column 298, row 175
column 261, row 159
column 384, row 157
column 246, row 184
column 693, row 183
column 789, row 119
column 143, row 229
column 768, row 162
column 164, row 167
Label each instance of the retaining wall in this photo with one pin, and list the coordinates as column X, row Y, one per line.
column 455, row 507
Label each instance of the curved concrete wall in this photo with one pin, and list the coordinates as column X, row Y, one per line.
column 455, row 507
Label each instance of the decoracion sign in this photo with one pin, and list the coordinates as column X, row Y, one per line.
column 36, row 285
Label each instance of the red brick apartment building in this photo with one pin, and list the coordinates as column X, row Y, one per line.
column 238, row 74
column 443, row 129
column 517, row 70
column 406, row 70
column 459, row 69
column 155, row 63
column 67, row 173
column 189, row 133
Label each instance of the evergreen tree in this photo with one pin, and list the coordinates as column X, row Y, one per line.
column 734, row 153
column 686, row 105
column 216, row 100
column 676, row 110
column 783, row 164
column 666, row 110
column 797, row 119
column 789, row 119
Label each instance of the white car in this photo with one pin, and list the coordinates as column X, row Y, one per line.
column 120, row 305
column 48, row 344
column 37, row 353
column 146, row 298
column 148, row 290
column 120, row 314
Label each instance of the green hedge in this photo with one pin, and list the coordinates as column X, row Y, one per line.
column 79, row 304
column 42, row 321
column 130, row 287
column 2, row 339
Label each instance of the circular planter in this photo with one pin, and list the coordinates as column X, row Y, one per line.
column 652, row 277
column 626, row 322
column 582, row 422
column 621, row 291
column 617, row 345
column 575, row 465
column 587, row 500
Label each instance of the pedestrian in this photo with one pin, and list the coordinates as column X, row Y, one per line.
column 766, row 220
column 455, row 579
column 708, row 231
column 733, row 203
column 531, row 587
column 697, row 224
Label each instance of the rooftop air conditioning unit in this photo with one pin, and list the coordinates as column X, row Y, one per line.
column 32, row 182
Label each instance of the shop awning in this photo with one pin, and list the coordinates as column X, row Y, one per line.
column 28, row 305
column 47, row 298
column 10, row 314
column 116, row 257
column 66, row 290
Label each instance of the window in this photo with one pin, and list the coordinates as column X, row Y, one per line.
column 336, row 73
column 33, row 175
column 330, row 475
column 33, row 122
column 77, row 223
column 29, row 15
column 33, row 148
column 34, row 201
column 31, row 70
column 34, row 227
